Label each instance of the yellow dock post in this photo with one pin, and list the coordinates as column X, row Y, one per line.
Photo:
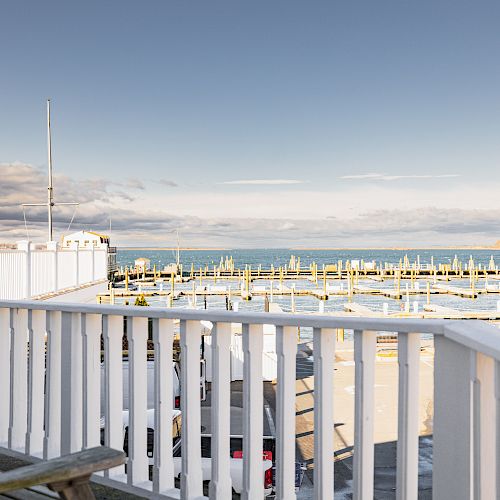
column 172, row 285
column 154, row 273
column 126, row 279
column 201, row 276
column 324, row 282
column 340, row 334
column 215, row 275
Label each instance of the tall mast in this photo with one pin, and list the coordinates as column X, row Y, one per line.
column 50, row 194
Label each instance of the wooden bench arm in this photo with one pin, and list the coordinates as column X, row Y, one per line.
column 62, row 470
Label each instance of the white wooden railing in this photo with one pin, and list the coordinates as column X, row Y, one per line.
column 28, row 271
column 56, row 408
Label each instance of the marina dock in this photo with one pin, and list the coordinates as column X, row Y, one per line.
column 413, row 287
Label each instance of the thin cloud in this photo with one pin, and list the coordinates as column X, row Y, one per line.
column 385, row 177
column 264, row 182
column 168, row 183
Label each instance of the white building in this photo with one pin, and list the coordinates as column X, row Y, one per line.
column 85, row 239
column 91, row 239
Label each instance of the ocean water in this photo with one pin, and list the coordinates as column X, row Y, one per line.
column 280, row 257
column 306, row 304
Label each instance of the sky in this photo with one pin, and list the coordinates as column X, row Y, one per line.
column 254, row 124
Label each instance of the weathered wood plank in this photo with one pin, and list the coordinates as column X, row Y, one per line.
column 65, row 468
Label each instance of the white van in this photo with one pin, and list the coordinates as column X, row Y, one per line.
column 176, row 385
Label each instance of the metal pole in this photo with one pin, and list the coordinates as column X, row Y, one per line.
column 50, row 195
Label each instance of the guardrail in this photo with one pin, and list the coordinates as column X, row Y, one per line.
column 56, row 409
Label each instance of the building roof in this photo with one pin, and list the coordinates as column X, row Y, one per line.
column 104, row 236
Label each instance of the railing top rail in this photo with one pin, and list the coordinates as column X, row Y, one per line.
column 403, row 325
column 482, row 337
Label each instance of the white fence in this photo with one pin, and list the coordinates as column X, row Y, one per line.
column 56, row 409
column 28, row 272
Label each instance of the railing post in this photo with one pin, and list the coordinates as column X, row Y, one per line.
column 220, row 486
column 113, row 375
column 253, row 401
column 93, row 262
column 324, row 358
column 365, row 343
column 36, row 379
column 137, row 465
column 52, row 438
column 18, row 380
column 191, row 475
column 52, row 247
column 91, row 330
column 408, row 416
column 5, row 337
column 453, row 400
column 485, row 418
column 25, row 246
column 163, row 469
column 71, row 383
column 497, row 426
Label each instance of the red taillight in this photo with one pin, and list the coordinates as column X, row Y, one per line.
column 268, row 478
column 177, row 401
column 268, row 475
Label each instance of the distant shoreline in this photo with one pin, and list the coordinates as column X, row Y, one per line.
column 304, row 249
column 175, row 249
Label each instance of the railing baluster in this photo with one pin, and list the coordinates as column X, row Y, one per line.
column 452, row 444
column 113, row 373
column 5, row 335
column 137, row 465
column 485, row 428
column 253, row 401
column 163, row 470
column 408, row 416
column 191, row 475
column 364, row 356
column 324, row 357
column 36, row 378
column 52, row 439
column 286, row 350
column 220, row 486
column 497, row 427
column 485, row 448
column 71, row 383
column 92, row 327
column 18, row 381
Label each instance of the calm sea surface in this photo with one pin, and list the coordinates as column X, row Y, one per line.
column 279, row 257
column 266, row 257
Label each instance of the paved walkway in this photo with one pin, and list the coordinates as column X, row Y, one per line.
column 385, row 423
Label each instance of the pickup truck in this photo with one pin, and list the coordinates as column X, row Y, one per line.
column 236, row 440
